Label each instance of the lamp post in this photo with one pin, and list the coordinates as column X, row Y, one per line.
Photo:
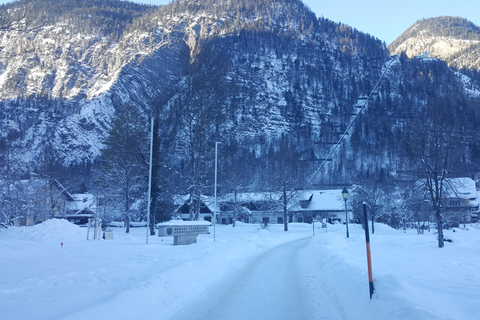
column 345, row 195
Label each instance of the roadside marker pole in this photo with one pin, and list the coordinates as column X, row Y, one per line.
column 369, row 258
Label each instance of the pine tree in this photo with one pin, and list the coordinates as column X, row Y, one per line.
column 123, row 168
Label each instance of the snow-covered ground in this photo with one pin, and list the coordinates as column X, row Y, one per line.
column 126, row 279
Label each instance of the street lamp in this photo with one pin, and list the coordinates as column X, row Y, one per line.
column 345, row 195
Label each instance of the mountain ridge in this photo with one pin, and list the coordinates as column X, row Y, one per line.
column 273, row 79
column 452, row 39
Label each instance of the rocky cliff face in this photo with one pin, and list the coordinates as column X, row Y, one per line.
column 273, row 76
column 61, row 86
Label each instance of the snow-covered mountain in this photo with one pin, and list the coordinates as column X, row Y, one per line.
column 452, row 39
column 273, row 79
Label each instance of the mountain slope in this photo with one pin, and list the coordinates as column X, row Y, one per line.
column 277, row 86
column 452, row 39
column 60, row 82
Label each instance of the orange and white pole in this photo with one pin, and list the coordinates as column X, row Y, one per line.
column 369, row 257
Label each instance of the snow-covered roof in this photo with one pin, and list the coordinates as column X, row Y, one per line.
column 312, row 200
column 208, row 201
column 81, row 201
column 455, row 188
column 461, row 188
column 251, row 197
column 323, row 200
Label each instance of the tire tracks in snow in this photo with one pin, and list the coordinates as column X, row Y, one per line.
column 273, row 286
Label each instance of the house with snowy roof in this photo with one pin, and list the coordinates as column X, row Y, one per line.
column 80, row 203
column 79, row 207
column 322, row 204
column 182, row 204
column 251, row 207
column 461, row 201
column 267, row 207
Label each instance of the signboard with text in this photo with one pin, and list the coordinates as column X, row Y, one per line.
column 182, row 230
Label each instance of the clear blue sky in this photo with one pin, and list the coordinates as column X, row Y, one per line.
column 383, row 19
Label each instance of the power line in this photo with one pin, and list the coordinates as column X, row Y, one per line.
column 352, row 121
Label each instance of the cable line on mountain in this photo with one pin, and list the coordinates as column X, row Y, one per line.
column 352, row 121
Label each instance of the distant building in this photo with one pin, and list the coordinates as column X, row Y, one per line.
column 183, row 208
column 267, row 207
column 425, row 55
column 80, row 204
column 461, row 201
column 78, row 208
column 322, row 204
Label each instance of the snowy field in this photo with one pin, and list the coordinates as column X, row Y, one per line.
column 327, row 274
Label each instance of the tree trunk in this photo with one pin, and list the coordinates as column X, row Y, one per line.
column 285, row 216
column 152, row 223
column 440, row 229
column 127, row 223
column 373, row 224
column 191, row 207
column 198, row 203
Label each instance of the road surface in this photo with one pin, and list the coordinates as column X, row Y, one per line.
column 271, row 287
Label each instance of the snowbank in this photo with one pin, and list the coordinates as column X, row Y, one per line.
column 413, row 278
column 59, row 230
column 127, row 279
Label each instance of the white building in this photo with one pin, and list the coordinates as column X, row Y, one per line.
column 267, row 207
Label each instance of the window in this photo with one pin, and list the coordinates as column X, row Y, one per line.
column 454, row 203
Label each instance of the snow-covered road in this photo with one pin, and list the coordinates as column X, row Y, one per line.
column 248, row 273
column 270, row 287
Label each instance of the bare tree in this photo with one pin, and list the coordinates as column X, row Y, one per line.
column 285, row 172
column 412, row 207
column 432, row 141
column 7, row 215
column 238, row 210
column 195, row 149
column 374, row 195
column 200, row 119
